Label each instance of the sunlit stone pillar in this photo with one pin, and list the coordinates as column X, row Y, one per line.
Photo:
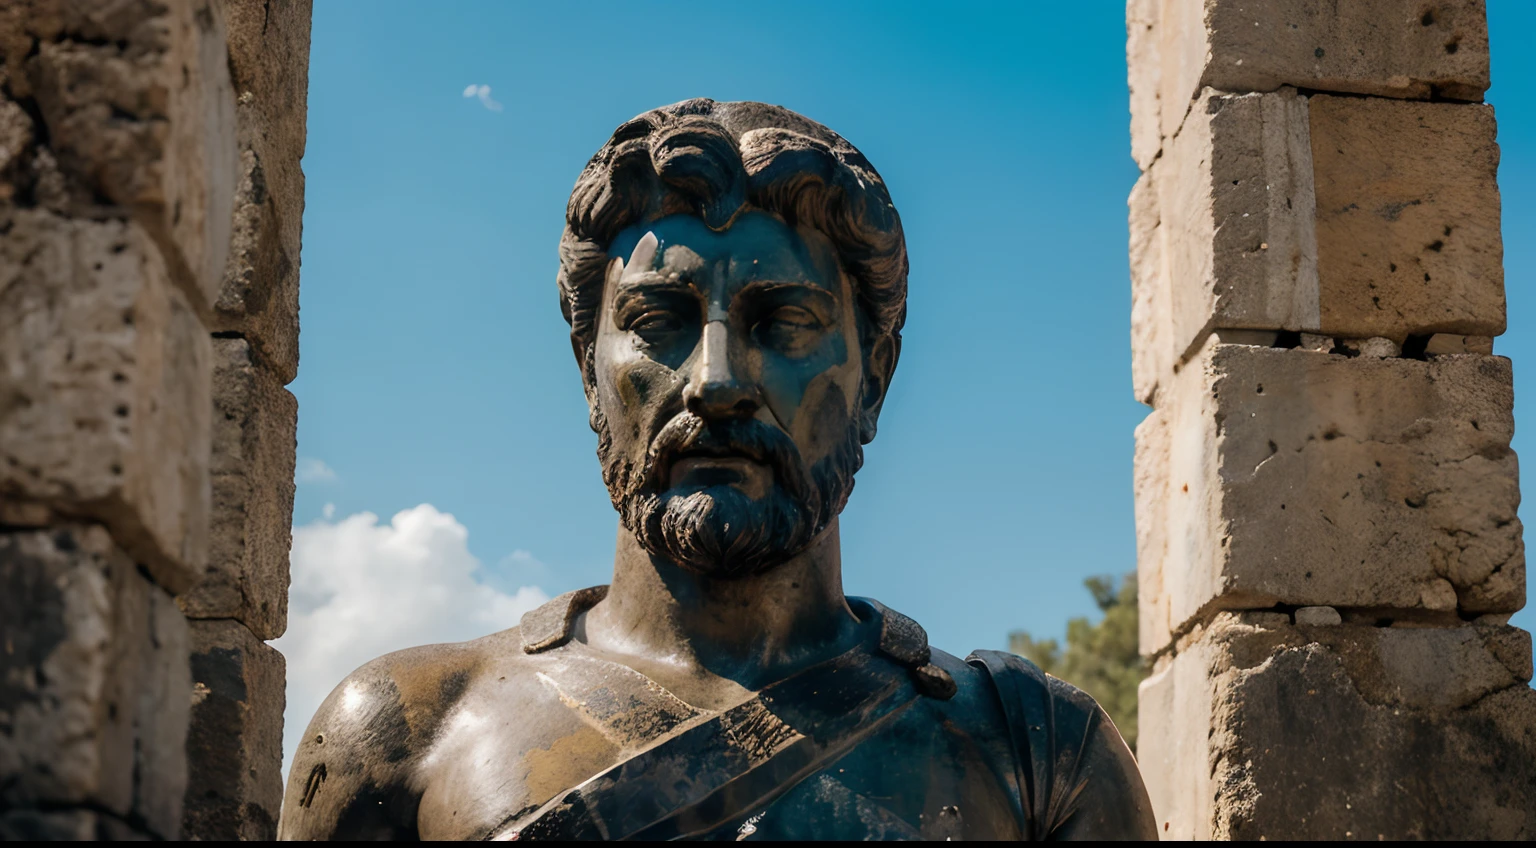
column 1326, row 498
column 150, row 205
column 117, row 176
column 235, row 740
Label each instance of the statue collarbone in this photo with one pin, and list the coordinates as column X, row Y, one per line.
column 734, row 276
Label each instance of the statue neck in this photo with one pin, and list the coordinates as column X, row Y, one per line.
column 750, row 630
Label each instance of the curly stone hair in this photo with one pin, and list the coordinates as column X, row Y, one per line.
column 715, row 161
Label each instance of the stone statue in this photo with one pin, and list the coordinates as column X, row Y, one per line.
column 735, row 280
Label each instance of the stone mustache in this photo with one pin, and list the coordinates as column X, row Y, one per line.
column 735, row 277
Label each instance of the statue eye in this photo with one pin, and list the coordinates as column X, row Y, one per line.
column 656, row 322
column 791, row 329
column 795, row 316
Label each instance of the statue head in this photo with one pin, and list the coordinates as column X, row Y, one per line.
column 735, row 278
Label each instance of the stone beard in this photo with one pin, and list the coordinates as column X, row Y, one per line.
column 719, row 530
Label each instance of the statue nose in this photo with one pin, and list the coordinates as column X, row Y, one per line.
column 713, row 391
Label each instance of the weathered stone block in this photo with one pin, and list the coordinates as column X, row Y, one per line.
column 104, row 387
column 1234, row 202
column 93, row 698
column 1271, row 476
column 254, row 425
column 269, row 64
column 139, row 114
column 1258, row 728
column 74, row 825
column 260, row 294
column 1407, row 217
column 1390, row 48
column 235, row 741
column 1144, row 62
column 269, row 60
column 1345, row 217
column 1151, row 318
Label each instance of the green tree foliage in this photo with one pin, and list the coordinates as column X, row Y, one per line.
column 1101, row 659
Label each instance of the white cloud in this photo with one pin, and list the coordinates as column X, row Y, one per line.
column 311, row 470
column 483, row 92
column 328, row 510
column 362, row 589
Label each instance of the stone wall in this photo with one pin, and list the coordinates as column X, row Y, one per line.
column 1326, row 498
column 150, row 206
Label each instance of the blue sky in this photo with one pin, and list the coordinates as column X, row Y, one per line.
column 1513, row 95
column 435, row 366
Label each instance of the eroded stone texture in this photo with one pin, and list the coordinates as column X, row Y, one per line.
column 1407, row 217
column 1270, row 476
column 72, row 825
column 237, row 711
column 104, row 387
column 1389, row 48
column 1318, row 616
column 1259, row 728
column 254, row 424
column 269, row 59
column 235, row 744
column 120, row 155
column 93, row 699
column 1446, row 344
column 1339, row 216
column 140, row 117
column 1143, row 59
column 1151, row 321
column 1234, row 204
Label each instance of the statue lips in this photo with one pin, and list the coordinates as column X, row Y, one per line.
column 713, row 468
column 724, row 452
column 706, row 461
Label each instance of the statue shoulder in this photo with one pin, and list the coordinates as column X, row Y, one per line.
column 351, row 777
column 1082, row 778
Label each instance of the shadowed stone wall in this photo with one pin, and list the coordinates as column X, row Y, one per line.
column 150, row 206
column 1325, row 494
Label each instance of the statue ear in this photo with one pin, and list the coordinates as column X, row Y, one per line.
column 879, row 365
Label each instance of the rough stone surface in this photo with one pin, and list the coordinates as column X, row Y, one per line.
column 72, row 825
column 1234, row 211
column 93, row 699
column 1270, row 476
column 1151, row 319
column 104, row 387
column 1410, row 733
column 1446, row 344
column 237, row 710
column 254, row 424
column 1335, row 216
column 1408, row 235
column 260, row 295
column 1389, row 48
column 140, row 117
column 150, row 194
column 1372, row 348
column 269, row 63
column 1143, row 59
column 259, row 298
column 1318, row 616
column 1326, row 502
